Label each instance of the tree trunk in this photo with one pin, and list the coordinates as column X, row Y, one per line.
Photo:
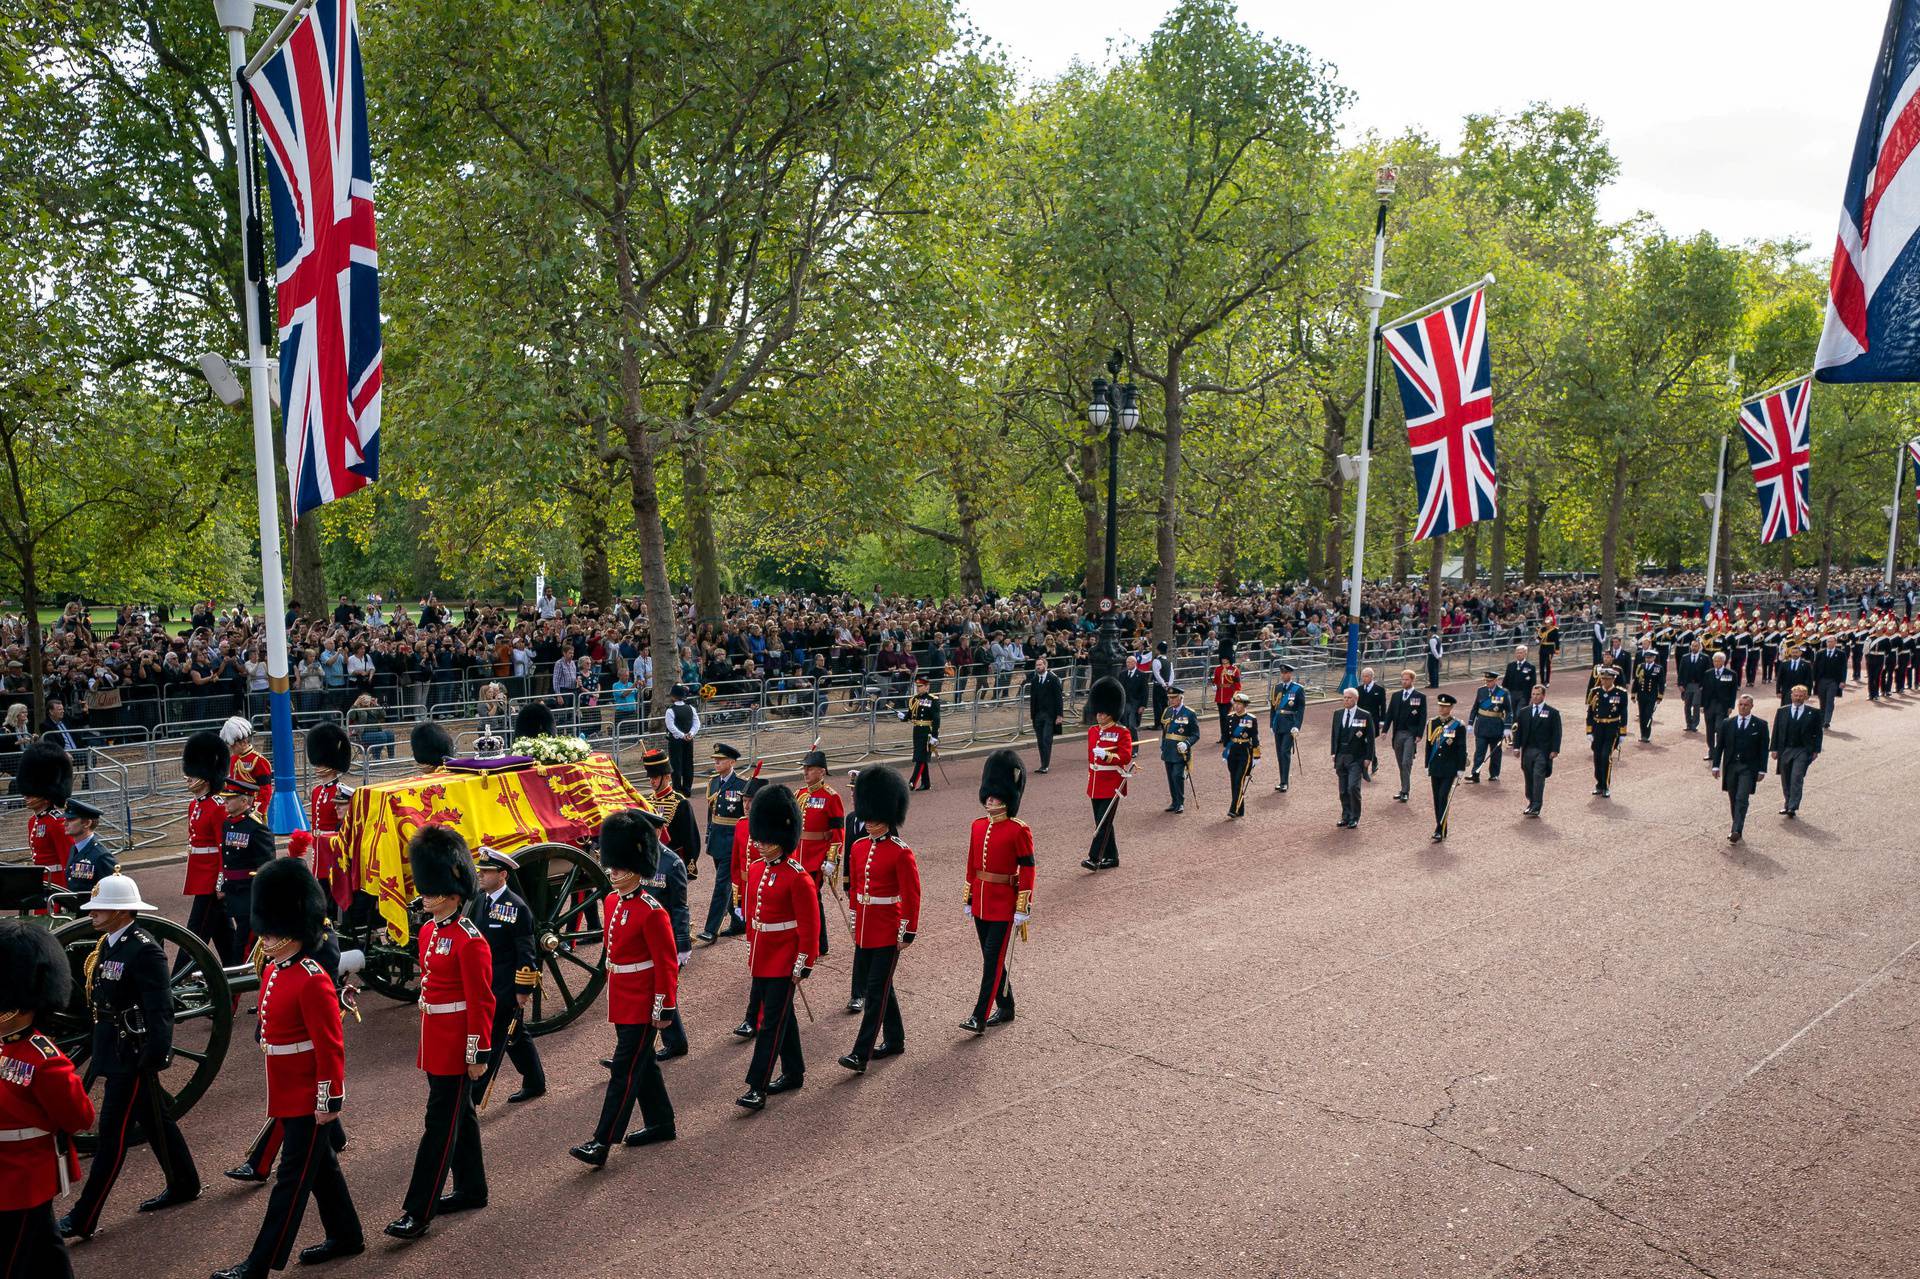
column 309, row 569
column 1610, row 544
column 1497, row 558
column 1470, row 556
column 1228, row 578
column 1093, row 520
column 1402, row 551
column 703, row 549
column 967, row 512
column 1826, row 543
column 1786, row 557
column 1530, row 549
column 596, row 580
column 1436, row 564
column 30, row 603
column 1167, row 525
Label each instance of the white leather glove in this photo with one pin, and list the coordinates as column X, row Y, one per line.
column 826, row 868
column 684, row 956
column 1019, row 918
column 969, row 909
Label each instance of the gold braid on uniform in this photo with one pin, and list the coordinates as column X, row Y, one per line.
column 93, row 962
column 526, row 978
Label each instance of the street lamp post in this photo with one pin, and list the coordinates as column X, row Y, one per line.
column 1113, row 408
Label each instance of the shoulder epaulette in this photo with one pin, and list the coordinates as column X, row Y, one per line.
column 47, row 1047
column 313, row 969
column 472, row 930
column 651, row 900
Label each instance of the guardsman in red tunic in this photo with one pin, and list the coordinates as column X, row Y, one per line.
column 643, row 988
column 883, row 880
column 330, row 752
column 42, row 1104
column 1109, row 761
column 248, row 764
column 45, row 781
column 823, row 829
column 456, row 1018
column 783, row 938
column 999, row 884
column 1225, row 680
column 306, row 1073
column 204, row 761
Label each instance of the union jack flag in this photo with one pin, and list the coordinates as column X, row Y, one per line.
column 312, row 109
column 1446, row 387
column 1913, row 456
column 1778, row 444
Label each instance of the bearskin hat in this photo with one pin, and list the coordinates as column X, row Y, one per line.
column 630, row 840
column 432, row 745
column 1107, row 698
column 34, row 973
column 206, row 758
column 288, row 901
column 1005, row 776
column 880, row 795
column 442, row 866
column 534, row 720
column 329, row 747
column 774, row 818
column 46, row 773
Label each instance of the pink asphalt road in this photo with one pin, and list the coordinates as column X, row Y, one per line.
column 1603, row 1043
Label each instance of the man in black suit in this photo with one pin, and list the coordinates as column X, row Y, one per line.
column 1045, row 699
column 1373, row 700
column 1829, row 673
column 1797, row 734
column 1352, row 751
column 1740, row 760
column 1520, row 677
column 1692, row 673
column 1536, row 731
column 1716, row 698
column 1794, row 671
column 1407, row 717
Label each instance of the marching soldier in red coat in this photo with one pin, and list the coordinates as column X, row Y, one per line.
column 306, row 1073
column 331, row 753
column 42, row 1104
column 204, row 762
column 456, row 1019
column 884, row 880
column 999, row 884
column 1225, row 679
column 783, row 938
column 823, row 829
column 1109, row 761
column 643, row 985
column 45, row 780
column 248, row 764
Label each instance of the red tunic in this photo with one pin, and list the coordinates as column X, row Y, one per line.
column 823, row 822
column 51, row 844
column 456, row 996
column 38, row 1090
column 1109, row 750
column 300, row 1035
column 252, row 766
column 783, row 918
column 1226, row 682
column 742, row 853
column 999, row 866
column 884, row 882
column 206, row 828
column 643, row 965
column 321, row 811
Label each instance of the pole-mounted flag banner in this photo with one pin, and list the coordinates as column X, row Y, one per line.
column 1872, row 331
column 1913, row 459
column 1774, row 425
column 312, row 108
column 1445, row 373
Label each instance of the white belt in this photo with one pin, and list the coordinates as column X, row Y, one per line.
column 458, row 1006
column 776, row 928
column 1104, row 768
column 876, row 901
column 22, row 1134
column 629, row 968
column 196, row 848
column 286, row 1050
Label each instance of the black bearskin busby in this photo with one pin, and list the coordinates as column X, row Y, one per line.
column 288, row 901
column 774, row 818
column 880, row 795
column 206, row 758
column 329, row 747
column 34, row 973
column 442, row 866
column 1107, row 697
column 534, row 720
column 630, row 840
column 1003, row 775
column 432, row 745
column 46, row 773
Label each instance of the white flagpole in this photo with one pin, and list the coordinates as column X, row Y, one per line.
column 1713, row 538
column 286, row 813
column 1384, row 182
column 1893, row 521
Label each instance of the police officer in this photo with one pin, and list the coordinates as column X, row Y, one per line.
column 1492, row 708
column 507, row 923
column 1177, row 740
column 1536, row 732
column 1407, row 717
column 1446, row 757
column 91, row 860
column 1243, row 749
column 682, row 722
column 1606, row 721
column 42, row 1102
column 1649, row 688
column 726, row 808
column 132, row 1005
column 923, row 712
column 1286, row 712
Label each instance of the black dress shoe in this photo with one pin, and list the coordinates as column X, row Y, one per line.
column 886, row 1050
column 1786, row 812
column 241, row 1271
column 406, row 1226
column 458, row 1203
column 856, row 1005
column 735, row 931
column 246, row 1172
column 1472, row 779
column 1169, row 809
column 1111, row 863
column 606, row 1063
column 668, row 1054
column 167, row 1199
column 1089, row 863
column 1401, row 797
column 999, row 1018
column 592, row 1153
column 649, row 1135
column 704, row 938
column 975, row 1025
column 856, row 1064
column 752, row 1099
column 330, row 1250
column 525, row 1093
column 1283, row 786
column 1733, row 839
column 744, row 1030
column 1178, row 808
column 786, row 1083
column 1041, row 769
column 68, row 1230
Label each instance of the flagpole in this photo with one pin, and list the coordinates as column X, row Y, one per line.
column 285, row 814
column 1384, row 182
column 1893, row 521
column 1713, row 538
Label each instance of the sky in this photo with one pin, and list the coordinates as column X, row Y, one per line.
column 1734, row 118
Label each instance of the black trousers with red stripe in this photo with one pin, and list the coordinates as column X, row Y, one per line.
column 779, row 1032
column 309, row 1168
column 266, row 1146
column 449, row 1142
column 635, row 1079
column 873, row 981
column 30, row 1246
column 127, row 1115
column 996, row 987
